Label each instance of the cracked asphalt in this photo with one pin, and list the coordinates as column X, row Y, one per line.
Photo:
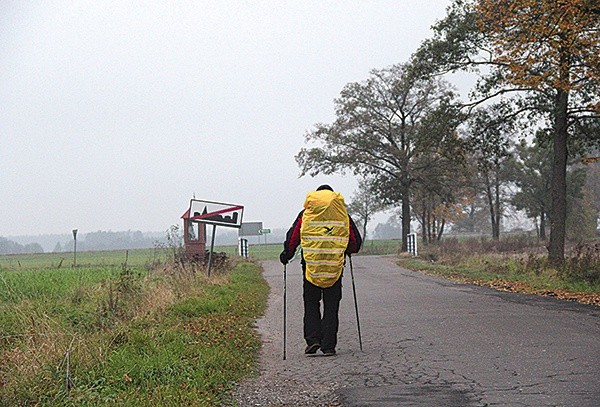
column 428, row 342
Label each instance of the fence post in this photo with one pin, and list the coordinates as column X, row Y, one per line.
column 412, row 243
column 68, row 382
column 243, row 247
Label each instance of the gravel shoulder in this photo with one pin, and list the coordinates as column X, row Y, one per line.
column 294, row 381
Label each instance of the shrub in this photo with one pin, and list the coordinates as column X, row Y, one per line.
column 517, row 255
column 533, row 264
column 584, row 265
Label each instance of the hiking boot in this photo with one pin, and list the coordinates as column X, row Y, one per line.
column 312, row 349
column 329, row 352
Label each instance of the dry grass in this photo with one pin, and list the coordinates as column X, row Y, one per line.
column 516, row 264
column 123, row 313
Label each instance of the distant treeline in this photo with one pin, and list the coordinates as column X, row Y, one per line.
column 108, row 240
column 102, row 240
column 10, row 247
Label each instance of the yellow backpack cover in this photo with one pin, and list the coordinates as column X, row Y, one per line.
column 324, row 236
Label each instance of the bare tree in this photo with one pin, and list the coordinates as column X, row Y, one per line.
column 364, row 205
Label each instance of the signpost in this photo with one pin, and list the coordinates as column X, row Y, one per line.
column 250, row 229
column 216, row 214
column 247, row 229
column 265, row 232
column 74, row 247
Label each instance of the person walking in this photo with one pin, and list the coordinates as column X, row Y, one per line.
column 327, row 234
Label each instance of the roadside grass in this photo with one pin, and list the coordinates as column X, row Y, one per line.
column 519, row 266
column 121, row 335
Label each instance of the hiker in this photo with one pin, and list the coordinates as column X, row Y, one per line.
column 327, row 234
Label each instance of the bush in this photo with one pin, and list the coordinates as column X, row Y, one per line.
column 533, row 264
column 584, row 265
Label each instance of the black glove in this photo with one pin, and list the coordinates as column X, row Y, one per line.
column 284, row 258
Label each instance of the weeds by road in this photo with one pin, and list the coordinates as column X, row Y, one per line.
column 517, row 266
column 123, row 335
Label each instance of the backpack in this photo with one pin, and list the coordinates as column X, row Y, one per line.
column 324, row 236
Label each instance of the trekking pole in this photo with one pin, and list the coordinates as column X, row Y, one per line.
column 284, row 308
column 355, row 304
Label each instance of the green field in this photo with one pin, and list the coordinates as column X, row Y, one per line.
column 147, row 258
column 125, row 328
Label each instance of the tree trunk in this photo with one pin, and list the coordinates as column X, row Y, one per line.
column 405, row 219
column 558, row 216
column 497, row 204
column 491, row 205
column 439, row 236
column 542, row 225
column 423, row 227
column 428, row 225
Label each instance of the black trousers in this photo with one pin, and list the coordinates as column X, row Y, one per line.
column 321, row 329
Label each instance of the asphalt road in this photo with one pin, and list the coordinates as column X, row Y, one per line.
column 429, row 342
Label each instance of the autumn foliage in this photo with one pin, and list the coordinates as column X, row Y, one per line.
column 544, row 44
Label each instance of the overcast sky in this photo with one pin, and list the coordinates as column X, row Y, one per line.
column 114, row 114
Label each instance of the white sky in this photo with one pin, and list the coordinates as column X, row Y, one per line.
column 113, row 114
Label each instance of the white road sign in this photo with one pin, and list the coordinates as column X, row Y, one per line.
column 216, row 213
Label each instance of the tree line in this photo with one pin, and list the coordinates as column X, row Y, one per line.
column 100, row 240
column 109, row 240
column 527, row 136
column 10, row 247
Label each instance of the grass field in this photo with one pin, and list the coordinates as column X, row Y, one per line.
column 124, row 328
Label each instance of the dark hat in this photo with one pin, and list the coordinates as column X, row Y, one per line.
column 325, row 186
